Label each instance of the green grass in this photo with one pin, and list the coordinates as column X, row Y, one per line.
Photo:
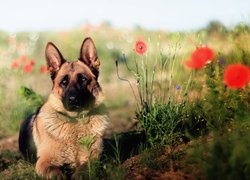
column 149, row 159
column 19, row 170
column 162, row 123
column 225, row 156
column 170, row 116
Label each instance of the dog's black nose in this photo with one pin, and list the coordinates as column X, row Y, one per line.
column 72, row 100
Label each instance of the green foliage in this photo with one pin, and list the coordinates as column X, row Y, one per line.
column 114, row 172
column 19, row 170
column 215, row 27
column 27, row 103
column 30, row 95
column 172, row 123
column 158, row 112
column 161, row 122
column 167, row 115
column 87, row 141
column 116, row 148
column 99, row 170
column 149, row 158
column 8, row 158
column 222, row 105
column 227, row 155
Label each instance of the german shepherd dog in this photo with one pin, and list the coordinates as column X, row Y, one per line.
column 74, row 112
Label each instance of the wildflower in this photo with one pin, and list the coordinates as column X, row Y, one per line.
column 200, row 57
column 43, row 69
column 222, row 61
column 140, row 47
column 15, row 64
column 178, row 87
column 203, row 54
column 31, row 62
column 22, row 58
column 28, row 68
column 236, row 76
column 194, row 64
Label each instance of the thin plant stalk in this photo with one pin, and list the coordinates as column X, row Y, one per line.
column 123, row 79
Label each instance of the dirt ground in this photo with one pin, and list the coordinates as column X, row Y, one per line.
column 9, row 143
column 134, row 170
column 133, row 167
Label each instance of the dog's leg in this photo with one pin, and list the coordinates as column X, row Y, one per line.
column 45, row 169
column 84, row 158
column 96, row 149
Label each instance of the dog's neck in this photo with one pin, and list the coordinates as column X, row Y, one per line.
column 83, row 115
column 54, row 109
column 71, row 119
column 95, row 121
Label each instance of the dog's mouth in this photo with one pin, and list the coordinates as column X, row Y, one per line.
column 75, row 108
column 78, row 103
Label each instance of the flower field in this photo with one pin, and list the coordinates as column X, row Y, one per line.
column 187, row 92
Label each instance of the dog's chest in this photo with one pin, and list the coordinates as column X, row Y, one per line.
column 70, row 141
column 74, row 131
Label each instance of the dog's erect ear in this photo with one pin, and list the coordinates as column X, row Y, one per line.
column 54, row 59
column 88, row 55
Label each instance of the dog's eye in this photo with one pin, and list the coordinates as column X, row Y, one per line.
column 64, row 82
column 82, row 78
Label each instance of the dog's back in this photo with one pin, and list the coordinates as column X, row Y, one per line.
column 26, row 142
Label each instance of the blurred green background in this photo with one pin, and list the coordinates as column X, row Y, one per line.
column 205, row 132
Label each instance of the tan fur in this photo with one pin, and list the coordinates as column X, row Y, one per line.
column 57, row 132
column 57, row 139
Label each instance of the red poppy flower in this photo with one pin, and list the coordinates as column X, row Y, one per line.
column 140, row 47
column 31, row 62
column 43, row 69
column 236, row 76
column 200, row 57
column 28, row 68
column 15, row 64
column 22, row 58
column 194, row 64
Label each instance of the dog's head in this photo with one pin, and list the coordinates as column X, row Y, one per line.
column 75, row 85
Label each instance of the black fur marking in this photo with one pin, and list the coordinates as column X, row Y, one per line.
column 26, row 141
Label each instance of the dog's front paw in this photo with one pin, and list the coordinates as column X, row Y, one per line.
column 51, row 173
column 54, row 173
column 48, row 171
